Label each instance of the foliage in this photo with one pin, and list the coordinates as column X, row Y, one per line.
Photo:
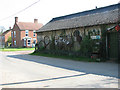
column 52, row 43
column 87, row 48
column 0, row 33
column 103, row 42
column 36, row 47
column 9, row 40
column 87, row 45
column 41, row 48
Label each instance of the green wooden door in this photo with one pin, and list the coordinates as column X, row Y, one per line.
column 113, row 45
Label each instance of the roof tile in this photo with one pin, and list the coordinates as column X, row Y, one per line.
column 109, row 14
column 29, row 25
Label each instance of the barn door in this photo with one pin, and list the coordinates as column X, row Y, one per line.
column 119, row 46
column 113, row 45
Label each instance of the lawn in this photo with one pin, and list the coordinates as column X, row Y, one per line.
column 16, row 49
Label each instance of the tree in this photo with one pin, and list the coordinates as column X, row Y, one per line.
column 9, row 40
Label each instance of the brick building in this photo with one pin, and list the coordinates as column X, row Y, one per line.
column 24, row 33
column 4, row 37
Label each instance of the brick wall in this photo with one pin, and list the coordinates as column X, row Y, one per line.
column 17, row 38
column 20, row 35
column 7, row 35
column 30, row 34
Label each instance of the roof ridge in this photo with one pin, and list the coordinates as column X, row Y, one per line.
column 29, row 22
column 5, row 32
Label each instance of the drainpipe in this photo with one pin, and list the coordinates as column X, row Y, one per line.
column 118, row 46
column 106, row 45
column 26, row 42
column 84, row 31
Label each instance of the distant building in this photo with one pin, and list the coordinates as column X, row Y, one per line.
column 24, row 33
column 2, row 29
column 99, row 24
column 4, row 38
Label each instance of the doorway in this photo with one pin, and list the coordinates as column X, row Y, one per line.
column 113, row 45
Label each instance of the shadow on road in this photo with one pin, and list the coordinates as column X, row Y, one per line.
column 42, row 80
column 103, row 69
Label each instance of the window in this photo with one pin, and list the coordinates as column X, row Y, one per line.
column 29, row 42
column 77, row 36
column 24, row 42
column 34, row 33
column 26, row 32
column 15, row 43
column 14, row 33
column 76, row 33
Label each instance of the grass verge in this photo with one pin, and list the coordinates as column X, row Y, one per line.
column 16, row 49
column 64, row 57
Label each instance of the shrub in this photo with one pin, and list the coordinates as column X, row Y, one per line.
column 86, row 45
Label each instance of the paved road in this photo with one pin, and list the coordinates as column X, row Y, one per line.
column 19, row 70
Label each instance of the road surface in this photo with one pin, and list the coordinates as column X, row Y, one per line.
column 20, row 70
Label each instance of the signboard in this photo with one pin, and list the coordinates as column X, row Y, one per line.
column 117, row 28
column 96, row 37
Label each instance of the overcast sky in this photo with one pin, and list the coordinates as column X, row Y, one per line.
column 45, row 10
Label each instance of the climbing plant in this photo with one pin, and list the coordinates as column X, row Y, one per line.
column 103, row 41
column 87, row 45
column 9, row 40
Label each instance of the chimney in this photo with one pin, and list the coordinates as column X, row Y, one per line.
column 16, row 19
column 96, row 7
column 9, row 28
column 35, row 20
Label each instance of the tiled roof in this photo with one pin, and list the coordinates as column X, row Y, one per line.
column 29, row 25
column 104, row 15
column 5, row 32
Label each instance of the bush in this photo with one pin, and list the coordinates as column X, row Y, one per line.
column 86, row 45
column 9, row 40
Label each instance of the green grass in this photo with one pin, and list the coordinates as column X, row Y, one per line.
column 65, row 57
column 16, row 49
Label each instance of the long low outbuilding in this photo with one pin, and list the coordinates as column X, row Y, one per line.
column 101, row 24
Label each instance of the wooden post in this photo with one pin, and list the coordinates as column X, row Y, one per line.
column 118, row 46
column 106, row 45
column 26, row 42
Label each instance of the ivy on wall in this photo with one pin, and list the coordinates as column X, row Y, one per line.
column 103, row 41
column 67, row 42
column 86, row 45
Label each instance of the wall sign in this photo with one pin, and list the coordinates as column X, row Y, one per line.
column 96, row 37
column 117, row 28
